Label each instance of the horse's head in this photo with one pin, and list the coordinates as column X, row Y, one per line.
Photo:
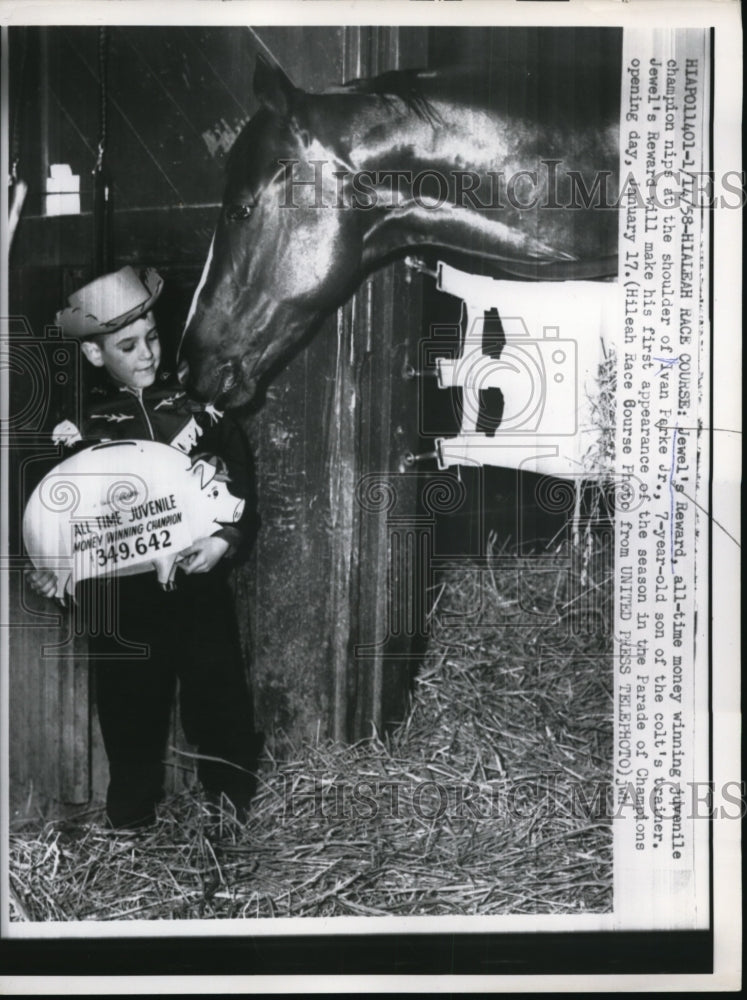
column 311, row 204
column 283, row 253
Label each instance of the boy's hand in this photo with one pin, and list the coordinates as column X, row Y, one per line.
column 42, row 581
column 203, row 554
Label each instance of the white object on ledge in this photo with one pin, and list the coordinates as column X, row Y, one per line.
column 63, row 191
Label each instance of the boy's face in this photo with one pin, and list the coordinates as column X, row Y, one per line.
column 131, row 355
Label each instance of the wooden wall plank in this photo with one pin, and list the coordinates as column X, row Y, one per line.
column 27, row 733
column 389, row 320
column 75, row 742
column 295, row 565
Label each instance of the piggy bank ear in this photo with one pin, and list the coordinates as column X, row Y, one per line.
column 204, row 471
column 218, row 468
column 221, row 470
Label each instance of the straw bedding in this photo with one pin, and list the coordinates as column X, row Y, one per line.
column 481, row 802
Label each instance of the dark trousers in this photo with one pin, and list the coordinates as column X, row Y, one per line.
column 192, row 644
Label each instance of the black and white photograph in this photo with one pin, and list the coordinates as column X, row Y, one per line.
column 371, row 463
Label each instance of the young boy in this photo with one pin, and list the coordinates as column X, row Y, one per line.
column 191, row 632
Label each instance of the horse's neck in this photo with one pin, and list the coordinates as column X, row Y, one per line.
column 450, row 136
column 458, row 121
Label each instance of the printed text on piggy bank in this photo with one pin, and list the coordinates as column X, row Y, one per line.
column 124, row 507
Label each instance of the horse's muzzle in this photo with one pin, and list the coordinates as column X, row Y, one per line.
column 202, row 386
column 224, row 386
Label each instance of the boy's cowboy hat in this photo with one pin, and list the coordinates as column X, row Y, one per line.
column 110, row 302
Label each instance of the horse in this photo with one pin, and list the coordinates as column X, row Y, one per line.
column 323, row 188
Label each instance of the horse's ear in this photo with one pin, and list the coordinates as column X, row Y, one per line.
column 272, row 87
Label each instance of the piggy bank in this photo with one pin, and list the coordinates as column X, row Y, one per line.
column 124, row 507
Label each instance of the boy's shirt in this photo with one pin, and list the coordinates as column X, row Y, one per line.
column 164, row 413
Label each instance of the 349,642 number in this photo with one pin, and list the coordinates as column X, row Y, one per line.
column 130, row 548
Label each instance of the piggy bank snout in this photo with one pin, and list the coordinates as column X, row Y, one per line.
column 238, row 510
column 229, row 507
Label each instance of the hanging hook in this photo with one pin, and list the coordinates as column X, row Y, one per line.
column 408, row 459
column 418, row 264
column 409, row 372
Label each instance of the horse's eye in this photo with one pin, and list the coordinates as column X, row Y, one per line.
column 238, row 212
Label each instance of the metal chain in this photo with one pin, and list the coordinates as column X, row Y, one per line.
column 15, row 139
column 103, row 96
column 102, row 204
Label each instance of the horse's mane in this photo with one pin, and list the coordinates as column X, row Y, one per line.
column 398, row 84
